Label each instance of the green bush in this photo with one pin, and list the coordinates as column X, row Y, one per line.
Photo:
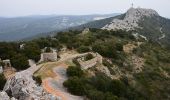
column 88, row 57
column 74, row 71
column 75, row 86
column 20, row 62
column 32, row 51
column 48, row 49
column 76, row 62
column 83, row 49
column 37, row 79
column 2, row 81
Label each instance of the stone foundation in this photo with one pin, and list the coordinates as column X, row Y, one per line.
column 90, row 63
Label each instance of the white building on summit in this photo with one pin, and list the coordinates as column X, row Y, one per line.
column 48, row 54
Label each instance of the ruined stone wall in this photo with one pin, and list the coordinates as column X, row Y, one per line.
column 49, row 56
column 90, row 63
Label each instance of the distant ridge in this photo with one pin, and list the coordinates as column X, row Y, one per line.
column 18, row 28
column 146, row 22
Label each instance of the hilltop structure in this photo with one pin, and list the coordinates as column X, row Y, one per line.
column 7, row 63
column 48, row 55
column 85, row 64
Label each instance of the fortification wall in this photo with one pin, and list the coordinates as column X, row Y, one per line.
column 90, row 63
column 49, row 56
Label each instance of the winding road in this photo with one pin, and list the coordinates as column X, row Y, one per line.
column 55, row 85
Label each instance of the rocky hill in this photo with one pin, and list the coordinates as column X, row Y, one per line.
column 146, row 22
column 131, row 19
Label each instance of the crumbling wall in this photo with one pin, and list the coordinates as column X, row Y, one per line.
column 90, row 63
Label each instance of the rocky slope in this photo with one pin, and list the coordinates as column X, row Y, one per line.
column 146, row 22
column 22, row 86
column 132, row 17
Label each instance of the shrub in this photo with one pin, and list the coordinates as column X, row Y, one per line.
column 20, row 62
column 95, row 95
column 76, row 62
column 74, row 71
column 2, row 81
column 83, row 49
column 75, row 86
column 88, row 57
column 37, row 79
column 48, row 49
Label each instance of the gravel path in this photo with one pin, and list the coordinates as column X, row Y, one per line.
column 55, row 86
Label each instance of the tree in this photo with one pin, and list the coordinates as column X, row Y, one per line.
column 20, row 62
column 32, row 51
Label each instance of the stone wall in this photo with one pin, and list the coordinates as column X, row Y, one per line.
column 90, row 63
column 7, row 63
column 51, row 56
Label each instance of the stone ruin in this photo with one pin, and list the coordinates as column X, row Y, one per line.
column 89, row 63
column 48, row 56
column 7, row 63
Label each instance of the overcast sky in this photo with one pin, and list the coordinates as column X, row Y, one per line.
column 13, row 8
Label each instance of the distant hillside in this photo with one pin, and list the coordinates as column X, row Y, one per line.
column 146, row 22
column 12, row 29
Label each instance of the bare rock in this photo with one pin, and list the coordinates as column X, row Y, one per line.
column 23, row 87
column 131, row 19
column 4, row 96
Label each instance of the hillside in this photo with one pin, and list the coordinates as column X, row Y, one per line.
column 146, row 22
column 24, row 27
column 132, row 68
column 126, row 57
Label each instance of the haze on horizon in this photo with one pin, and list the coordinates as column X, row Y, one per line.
column 15, row 8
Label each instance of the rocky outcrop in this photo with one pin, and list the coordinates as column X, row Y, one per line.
column 4, row 96
column 23, row 87
column 131, row 19
column 1, row 69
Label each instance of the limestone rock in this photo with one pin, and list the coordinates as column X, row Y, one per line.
column 131, row 19
column 23, row 87
column 4, row 96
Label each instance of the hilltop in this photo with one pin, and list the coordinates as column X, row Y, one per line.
column 146, row 22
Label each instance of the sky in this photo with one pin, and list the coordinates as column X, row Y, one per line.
column 15, row 8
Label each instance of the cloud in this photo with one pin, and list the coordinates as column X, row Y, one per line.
column 78, row 7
